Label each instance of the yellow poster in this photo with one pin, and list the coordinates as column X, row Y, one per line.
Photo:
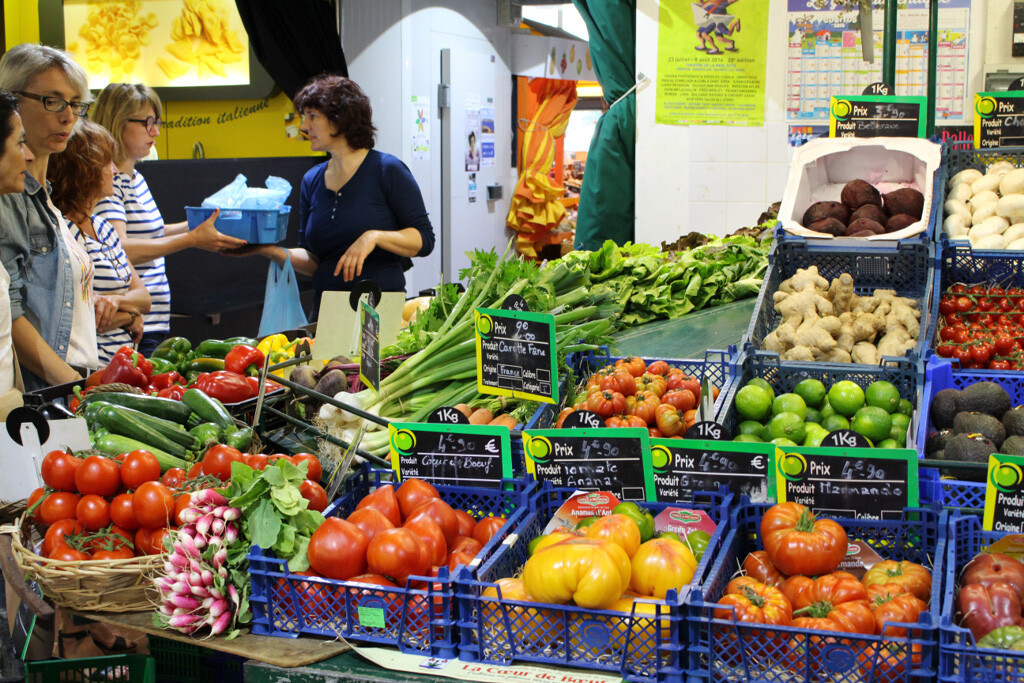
column 711, row 62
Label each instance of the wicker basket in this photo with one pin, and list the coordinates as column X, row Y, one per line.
column 90, row 586
column 9, row 512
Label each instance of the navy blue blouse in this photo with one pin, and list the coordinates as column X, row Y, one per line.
column 381, row 195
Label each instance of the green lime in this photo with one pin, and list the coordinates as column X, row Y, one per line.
column 758, row 382
column 826, row 409
column 532, row 548
column 787, row 443
column 815, row 434
column 834, row 423
column 788, row 426
column 753, row 402
column 900, row 423
column 846, row 398
column 811, row 391
column 906, row 408
column 750, row 427
column 789, row 403
column 872, row 422
column 748, row 438
column 813, row 415
column 766, row 434
column 884, row 395
column 888, row 443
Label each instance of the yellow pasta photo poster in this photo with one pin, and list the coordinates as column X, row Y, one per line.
column 711, row 62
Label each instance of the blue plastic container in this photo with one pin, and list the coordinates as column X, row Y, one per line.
column 960, row 659
column 956, row 157
column 417, row 620
column 496, row 630
column 727, row 650
column 255, row 226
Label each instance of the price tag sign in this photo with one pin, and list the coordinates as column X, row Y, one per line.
column 369, row 347
column 616, row 460
column 682, row 467
column 515, row 354
column 467, row 455
column 845, row 438
column 708, row 431
column 1004, row 495
column 877, row 116
column 584, row 419
column 447, row 416
column 998, row 119
column 878, row 89
column 866, row 484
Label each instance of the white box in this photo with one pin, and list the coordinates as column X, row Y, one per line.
column 822, row 167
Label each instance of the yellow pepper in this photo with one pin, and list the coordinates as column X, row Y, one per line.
column 272, row 343
column 278, row 349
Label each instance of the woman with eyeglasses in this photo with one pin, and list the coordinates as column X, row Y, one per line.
column 81, row 176
column 131, row 113
column 53, row 322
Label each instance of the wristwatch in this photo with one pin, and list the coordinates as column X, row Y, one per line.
column 135, row 316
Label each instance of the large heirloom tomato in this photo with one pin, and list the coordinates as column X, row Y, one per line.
column 661, row 565
column 337, row 549
column 620, row 381
column 606, row 403
column 584, row 571
column 988, row 568
column 759, row 567
column 755, row 603
column 385, row 501
column 520, row 619
column 398, row 553
column 912, row 577
column 837, row 598
column 412, row 493
column 370, row 521
column 799, row 543
column 891, row 604
column 986, row 608
column 618, row 529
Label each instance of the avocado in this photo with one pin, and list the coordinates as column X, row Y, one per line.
column 984, row 397
column 937, row 441
column 1014, row 445
column 980, row 423
column 964, row 448
column 943, row 408
column 1013, row 421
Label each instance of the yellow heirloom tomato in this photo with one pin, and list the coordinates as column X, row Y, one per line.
column 660, row 565
column 588, row 573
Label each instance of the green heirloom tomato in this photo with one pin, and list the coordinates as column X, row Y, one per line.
column 644, row 520
column 1004, row 638
column 672, row 535
column 585, row 522
column 698, row 542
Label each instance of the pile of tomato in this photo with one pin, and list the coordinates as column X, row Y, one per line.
column 631, row 393
column 103, row 507
column 990, row 601
column 982, row 326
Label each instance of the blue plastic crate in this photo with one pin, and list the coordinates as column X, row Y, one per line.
column 904, row 373
column 723, row 649
column 255, row 226
column 905, row 267
column 952, row 494
column 716, row 367
column 957, row 157
column 960, row 659
column 499, row 631
column 417, row 620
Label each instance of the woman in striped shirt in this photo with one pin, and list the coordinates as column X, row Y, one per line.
column 81, row 176
column 131, row 112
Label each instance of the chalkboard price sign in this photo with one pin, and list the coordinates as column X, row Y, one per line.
column 849, row 483
column 584, row 419
column 879, row 89
column 369, row 347
column 684, row 467
column 515, row 354
column 616, row 460
column 1004, row 495
column 467, row 455
column 998, row 119
column 708, row 431
column 514, row 302
column 447, row 416
column 877, row 116
column 845, row 438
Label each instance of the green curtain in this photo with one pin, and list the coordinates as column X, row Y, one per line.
column 608, row 195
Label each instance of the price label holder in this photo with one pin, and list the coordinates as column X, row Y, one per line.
column 582, row 419
column 682, row 467
column 515, row 354
column 879, row 88
column 998, row 119
column 369, row 346
column 844, row 438
column 708, row 430
column 841, row 482
column 1004, row 494
column 467, row 455
column 616, row 460
column 447, row 416
column 877, row 116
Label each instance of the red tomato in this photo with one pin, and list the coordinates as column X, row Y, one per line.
column 760, row 568
column 398, row 553
column 384, row 500
column 93, row 512
column 486, row 528
column 658, row 367
column 566, row 412
column 217, row 461
column 57, row 506
column 143, row 538
column 257, row 461
column 56, row 533
column 98, row 474
column 337, row 549
column 173, row 478
column 110, row 538
column 196, row 470
column 58, row 470
column 987, row 568
column 799, row 543
column 315, row 471
column 157, row 540
column 138, row 468
column 65, row 553
column 32, row 498
column 121, row 512
column 315, row 494
column 466, row 522
column 431, row 534
column 411, row 493
column 370, row 521
column 466, row 544
column 459, row 558
column 122, row 553
column 619, row 381
column 181, row 501
column 442, row 513
column 681, row 399
column 634, row 365
column 153, row 505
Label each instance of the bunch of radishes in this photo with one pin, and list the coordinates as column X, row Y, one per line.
column 196, row 586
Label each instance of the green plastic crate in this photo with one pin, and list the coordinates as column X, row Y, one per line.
column 133, row 668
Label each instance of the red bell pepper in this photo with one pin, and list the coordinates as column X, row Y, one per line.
column 226, row 387
column 254, row 382
column 175, row 391
column 128, row 367
column 244, row 360
column 165, row 380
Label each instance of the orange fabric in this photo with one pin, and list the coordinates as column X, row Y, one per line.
column 535, row 208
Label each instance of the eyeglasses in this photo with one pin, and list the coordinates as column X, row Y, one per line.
column 149, row 122
column 57, row 105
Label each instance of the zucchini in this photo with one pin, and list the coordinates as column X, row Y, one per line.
column 165, row 408
column 116, row 444
column 125, row 425
column 209, row 409
column 171, row 430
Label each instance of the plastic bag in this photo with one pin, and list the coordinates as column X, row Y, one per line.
column 282, row 308
column 238, row 195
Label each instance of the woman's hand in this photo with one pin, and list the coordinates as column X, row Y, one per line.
column 206, row 236
column 135, row 329
column 105, row 306
column 351, row 262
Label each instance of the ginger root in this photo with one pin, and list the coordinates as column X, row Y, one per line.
column 841, row 293
column 865, row 352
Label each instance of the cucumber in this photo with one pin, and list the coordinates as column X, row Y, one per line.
column 116, row 444
column 125, row 425
column 165, row 408
column 210, row 409
column 171, row 430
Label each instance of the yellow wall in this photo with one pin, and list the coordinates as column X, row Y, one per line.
column 225, row 128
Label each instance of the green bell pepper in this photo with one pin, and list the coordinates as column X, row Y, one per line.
column 644, row 520
column 207, row 434
column 174, row 349
column 162, row 365
column 240, row 438
column 1004, row 638
column 203, row 364
column 216, row 348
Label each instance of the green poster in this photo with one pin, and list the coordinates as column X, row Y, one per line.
column 711, row 62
